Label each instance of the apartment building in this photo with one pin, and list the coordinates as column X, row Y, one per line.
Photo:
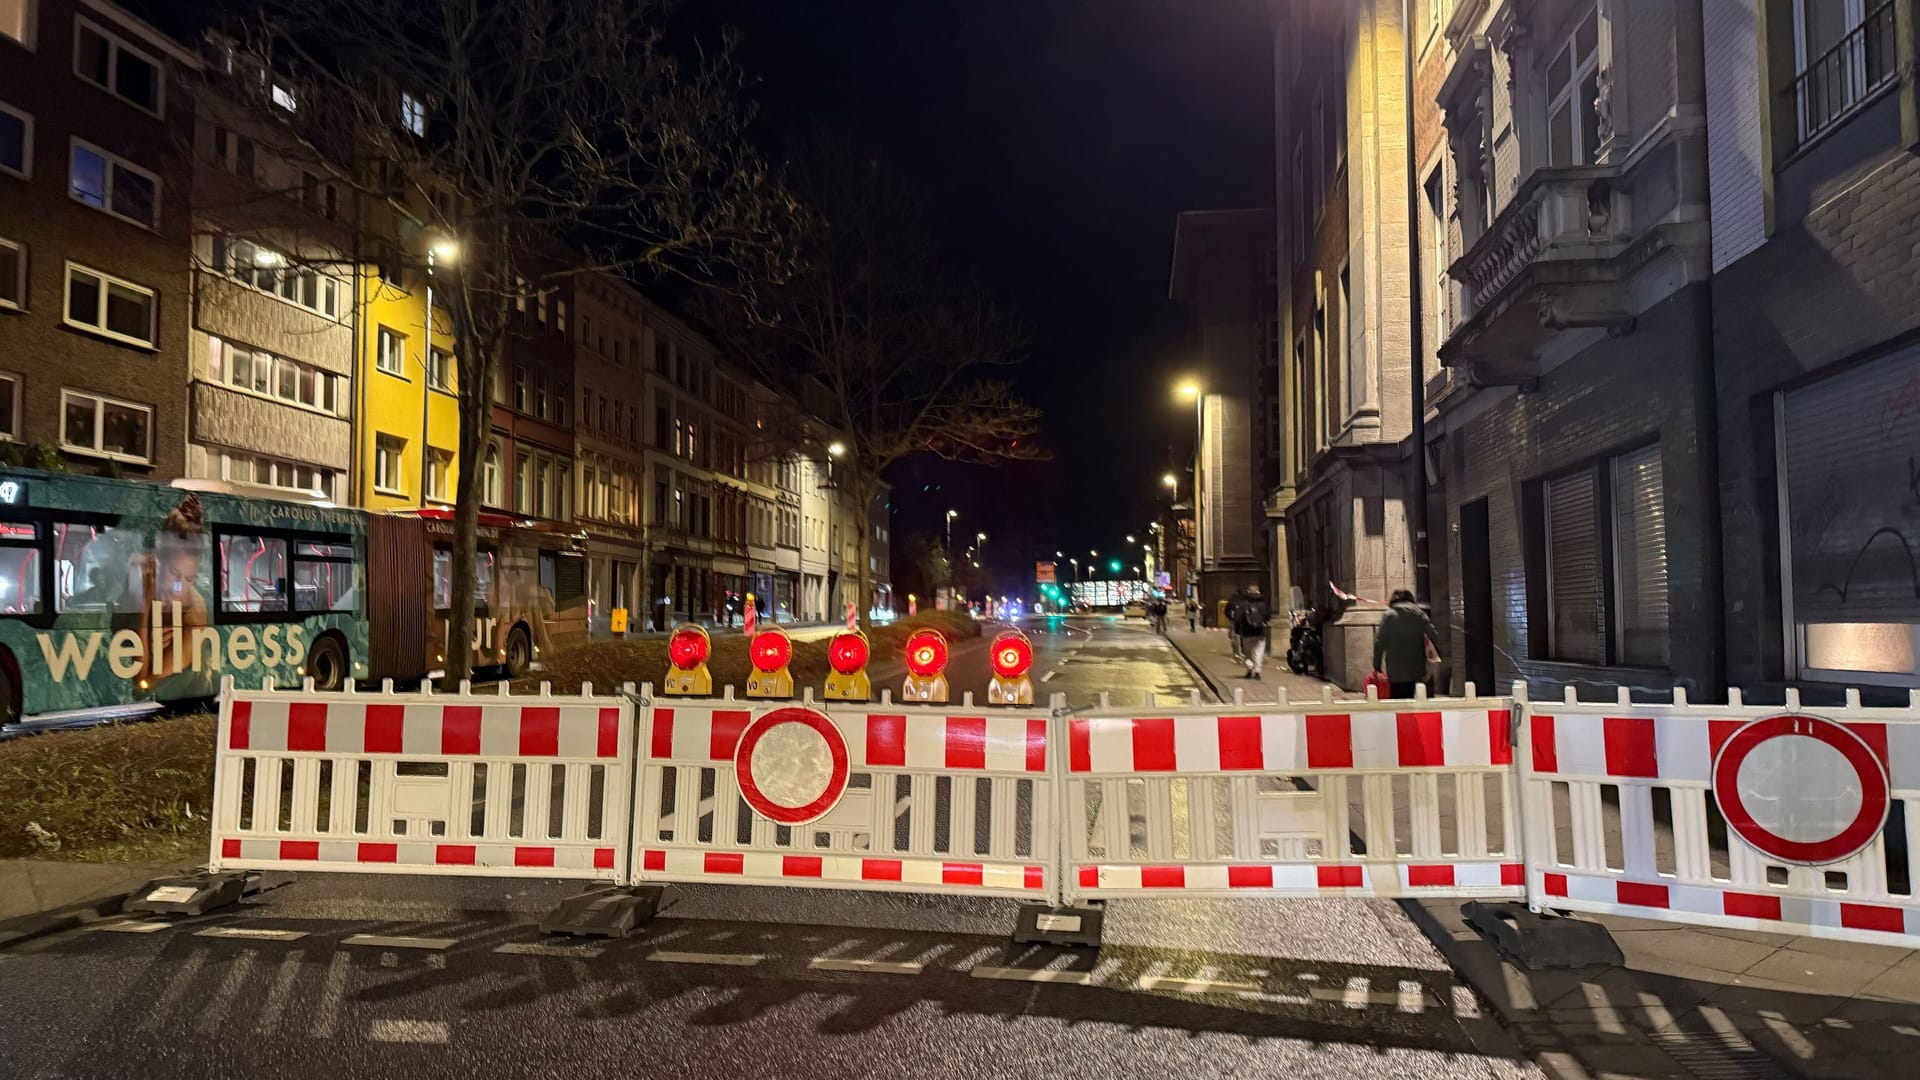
column 1346, row 362
column 271, row 340
column 609, row 365
column 1225, row 274
column 95, row 237
column 1573, row 436
column 1811, row 119
column 532, row 422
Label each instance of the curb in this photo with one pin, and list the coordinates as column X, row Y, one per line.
column 44, row 924
column 1219, row 694
column 1556, row 1061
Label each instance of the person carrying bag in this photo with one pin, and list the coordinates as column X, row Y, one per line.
column 1403, row 644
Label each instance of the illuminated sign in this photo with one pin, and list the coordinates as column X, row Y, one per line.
column 13, row 493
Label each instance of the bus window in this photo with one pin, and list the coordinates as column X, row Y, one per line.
column 94, row 568
column 443, row 578
column 323, row 576
column 19, row 570
column 253, row 573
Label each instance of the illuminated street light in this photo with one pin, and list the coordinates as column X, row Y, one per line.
column 1170, row 480
column 445, row 250
column 1189, row 389
column 1132, row 539
column 837, row 449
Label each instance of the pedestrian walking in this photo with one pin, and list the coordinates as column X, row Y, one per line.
column 1233, row 623
column 1193, row 615
column 1403, row 643
column 1250, row 627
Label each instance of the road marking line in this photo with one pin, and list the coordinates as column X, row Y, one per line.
column 883, row 967
column 250, row 933
column 130, row 927
column 1356, row 998
column 217, row 1007
column 1193, row 986
column 534, row 948
column 1045, row 975
column 410, row 1031
column 332, row 993
column 183, row 978
column 382, row 941
column 1048, row 677
column 281, row 990
column 668, row 956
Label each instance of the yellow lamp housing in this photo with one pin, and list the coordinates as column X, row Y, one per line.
column 926, row 668
column 769, row 653
column 1012, row 663
column 847, row 658
column 687, row 652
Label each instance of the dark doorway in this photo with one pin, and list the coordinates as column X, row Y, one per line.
column 1476, row 588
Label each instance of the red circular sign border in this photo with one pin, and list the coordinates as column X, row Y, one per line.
column 837, row 779
column 1848, row 842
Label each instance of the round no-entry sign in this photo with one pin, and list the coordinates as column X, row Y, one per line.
column 792, row 765
column 1801, row 789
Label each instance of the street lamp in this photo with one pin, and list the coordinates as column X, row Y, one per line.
column 837, row 449
column 1170, row 480
column 445, row 250
column 951, row 514
column 1131, row 539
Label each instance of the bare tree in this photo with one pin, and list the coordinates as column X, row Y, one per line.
column 872, row 335
column 512, row 129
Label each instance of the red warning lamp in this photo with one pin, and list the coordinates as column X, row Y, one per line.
column 847, row 655
column 1012, row 658
column 926, row 662
column 770, row 652
column 687, row 651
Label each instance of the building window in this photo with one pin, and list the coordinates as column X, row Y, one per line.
column 439, row 474
column 560, row 316
column 110, row 307
column 276, row 376
column 9, row 406
column 1355, row 372
column 440, row 369
column 282, row 475
column 270, row 271
column 16, row 21
column 1844, row 50
column 13, row 276
column 283, row 97
column 389, row 465
column 1573, row 93
column 413, row 113
column 520, row 397
column 115, row 185
column 105, row 427
column 1605, row 557
column 116, row 67
column 233, row 153
column 390, row 353
column 1435, row 284
column 16, row 139
column 523, row 483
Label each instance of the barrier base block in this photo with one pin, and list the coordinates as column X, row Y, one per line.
column 191, row 894
column 1538, row 941
column 612, row 912
column 1044, row 924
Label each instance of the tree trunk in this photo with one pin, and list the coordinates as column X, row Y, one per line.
column 863, row 518
column 476, row 400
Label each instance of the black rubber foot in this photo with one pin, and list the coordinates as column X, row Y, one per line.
column 1043, row 925
column 614, row 912
column 1536, row 941
column 190, row 894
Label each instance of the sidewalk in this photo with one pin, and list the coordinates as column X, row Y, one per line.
column 1685, row 1002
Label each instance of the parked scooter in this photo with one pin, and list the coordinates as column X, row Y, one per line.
column 1305, row 655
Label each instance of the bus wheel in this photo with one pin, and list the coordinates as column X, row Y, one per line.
column 519, row 653
column 8, row 714
column 327, row 665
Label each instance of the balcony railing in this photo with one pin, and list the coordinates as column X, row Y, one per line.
column 1843, row 76
column 1565, row 214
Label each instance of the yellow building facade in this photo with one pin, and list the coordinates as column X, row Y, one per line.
column 407, row 429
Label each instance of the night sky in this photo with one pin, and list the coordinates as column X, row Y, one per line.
column 1059, row 138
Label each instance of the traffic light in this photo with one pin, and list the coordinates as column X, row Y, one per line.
column 687, row 651
column 847, row 656
column 770, row 652
column 926, row 667
column 1012, row 660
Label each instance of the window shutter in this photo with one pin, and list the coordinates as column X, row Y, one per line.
column 1640, row 557
column 1574, row 592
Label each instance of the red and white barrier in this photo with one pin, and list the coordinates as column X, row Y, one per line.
column 915, row 798
column 423, row 783
column 1359, row 798
column 1756, row 817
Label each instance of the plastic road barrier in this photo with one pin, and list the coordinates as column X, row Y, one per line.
column 423, row 784
column 885, row 796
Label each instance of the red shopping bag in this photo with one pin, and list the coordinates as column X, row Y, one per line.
column 1377, row 682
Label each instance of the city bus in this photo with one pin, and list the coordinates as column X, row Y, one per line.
column 119, row 597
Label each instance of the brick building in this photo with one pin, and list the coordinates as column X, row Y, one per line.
column 1574, row 433
column 95, row 232
column 1811, row 117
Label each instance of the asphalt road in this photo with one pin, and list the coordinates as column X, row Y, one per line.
column 350, row 976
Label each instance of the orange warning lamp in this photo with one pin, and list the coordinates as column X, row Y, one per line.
column 687, row 651
column 1012, row 659
column 847, row 655
column 926, row 667
column 770, row 652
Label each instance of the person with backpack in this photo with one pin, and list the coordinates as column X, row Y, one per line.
column 1233, row 623
column 1250, row 628
column 1401, row 646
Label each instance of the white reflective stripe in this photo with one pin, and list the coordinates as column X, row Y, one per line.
column 926, row 742
column 346, row 730
column 1196, row 746
column 1684, row 747
column 421, row 726
column 1006, row 744
column 1469, row 737
column 1110, row 744
column 1283, row 740
column 1376, row 740
column 1580, row 744
column 1903, row 757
